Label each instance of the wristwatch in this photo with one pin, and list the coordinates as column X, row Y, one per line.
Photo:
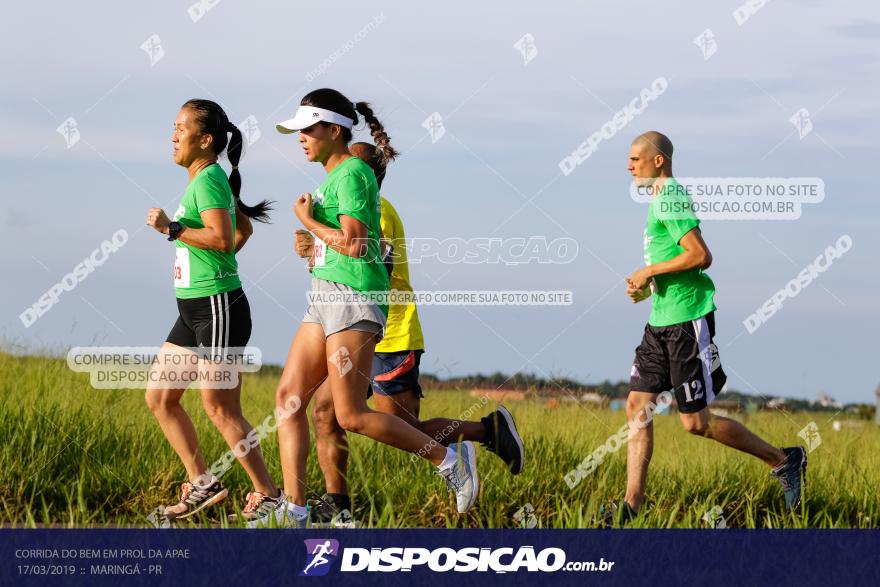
column 174, row 230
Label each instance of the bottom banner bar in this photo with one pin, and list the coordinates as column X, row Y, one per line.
column 441, row 557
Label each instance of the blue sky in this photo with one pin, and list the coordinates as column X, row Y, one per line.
column 494, row 173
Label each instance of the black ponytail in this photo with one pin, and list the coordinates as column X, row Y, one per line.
column 259, row 212
column 384, row 150
column 213, row 121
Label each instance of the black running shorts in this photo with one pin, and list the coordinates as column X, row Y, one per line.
column 213, row 323
column 681, row 358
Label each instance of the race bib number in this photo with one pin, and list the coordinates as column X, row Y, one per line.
column 181, row 267
column 320, row 252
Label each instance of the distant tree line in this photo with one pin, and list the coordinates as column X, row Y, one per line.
column 561, row 386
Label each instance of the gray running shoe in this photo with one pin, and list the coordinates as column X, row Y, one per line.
column 462, row 478
column 793, row 477
column 278, row 514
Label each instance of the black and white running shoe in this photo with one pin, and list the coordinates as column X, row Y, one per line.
column 503, row 439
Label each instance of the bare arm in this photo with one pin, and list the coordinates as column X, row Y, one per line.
column 696, row 255
column 348, row 240
column 217, row 235
column 243, row 229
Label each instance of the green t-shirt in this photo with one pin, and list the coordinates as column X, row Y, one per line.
column 685, row 295
column 198, row 272
column 350, row 189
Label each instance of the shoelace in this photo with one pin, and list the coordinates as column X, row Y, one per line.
column 185, row 490
column 193, row 494
column 784, row 480
column 323, row 507
column 254, row 500
column 257, row 501
column 453, row 481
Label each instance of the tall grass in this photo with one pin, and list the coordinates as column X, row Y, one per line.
column 71, row 455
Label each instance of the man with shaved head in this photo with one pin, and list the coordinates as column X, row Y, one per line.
column 677, row 355
column 653, row 143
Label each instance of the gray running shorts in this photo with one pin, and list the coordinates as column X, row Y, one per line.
column 357, row 313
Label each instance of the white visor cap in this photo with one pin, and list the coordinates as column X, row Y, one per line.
column 306, row 116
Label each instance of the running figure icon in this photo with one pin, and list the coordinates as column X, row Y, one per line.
column 320, row 553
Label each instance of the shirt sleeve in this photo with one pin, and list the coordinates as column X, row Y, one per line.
column 678, row 228
column 681, row 220
column 209, row 194
column 353, row 193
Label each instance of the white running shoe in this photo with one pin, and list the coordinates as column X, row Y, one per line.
column 462, row 477
column 280, row 516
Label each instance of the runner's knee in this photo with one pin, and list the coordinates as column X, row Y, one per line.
column 324, row 417
column 220, row 412
column 696, row 425
column 351, row 420
column 285, row 395
column 636, row 404
column 159, row 402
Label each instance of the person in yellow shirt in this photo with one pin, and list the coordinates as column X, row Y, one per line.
column 394, row 381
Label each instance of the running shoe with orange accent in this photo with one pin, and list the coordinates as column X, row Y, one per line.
column 193, row 499
column 257, row 505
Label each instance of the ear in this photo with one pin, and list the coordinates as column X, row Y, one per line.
column 206, row 142
column 659, row 161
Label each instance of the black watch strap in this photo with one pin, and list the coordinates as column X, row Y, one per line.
column 174, row 230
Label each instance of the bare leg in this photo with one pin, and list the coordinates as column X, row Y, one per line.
column 733, row 434
column 223, row 407
column 304, row 371
column 640, row 446
column 173, row 419
column 332, row 442
column 348, row 385
column 405, row 405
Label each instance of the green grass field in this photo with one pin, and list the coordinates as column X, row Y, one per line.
column 71, row 455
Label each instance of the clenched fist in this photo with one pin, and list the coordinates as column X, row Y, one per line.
column 303, row 207
column 157, row 218
column 304, row 245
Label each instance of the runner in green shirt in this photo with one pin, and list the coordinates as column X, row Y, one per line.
column 350, row 190
column 684, row 295
column 677, row 355
column 394, row 380
column 204, row 272
column 336, row 341
column 214, row 323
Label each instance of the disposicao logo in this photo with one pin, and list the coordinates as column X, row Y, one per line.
column 320, row 553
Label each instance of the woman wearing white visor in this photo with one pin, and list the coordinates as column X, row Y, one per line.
column 336, row 341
